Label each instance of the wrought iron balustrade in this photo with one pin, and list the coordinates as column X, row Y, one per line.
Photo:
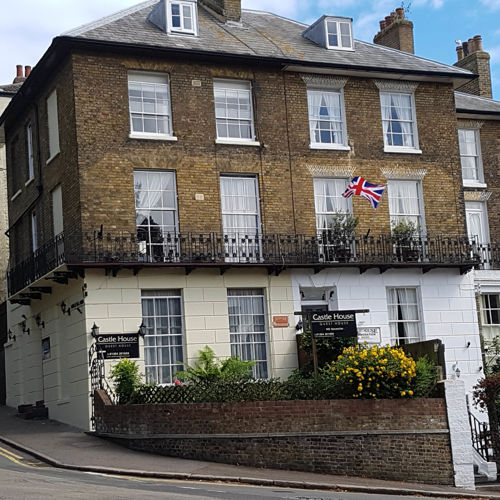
column 323, row 249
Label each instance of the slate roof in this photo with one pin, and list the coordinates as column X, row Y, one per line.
column 260, row 34
column 469, row 103
column 10, row 88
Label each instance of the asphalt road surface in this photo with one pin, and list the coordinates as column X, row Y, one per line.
column 22, row 477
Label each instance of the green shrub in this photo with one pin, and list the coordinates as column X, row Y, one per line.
column 208, row 368
column 126, row 377
column 425, row 378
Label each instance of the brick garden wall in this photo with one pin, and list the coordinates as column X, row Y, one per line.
column 384, row 439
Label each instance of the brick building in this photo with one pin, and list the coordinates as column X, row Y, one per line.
column 189, row 160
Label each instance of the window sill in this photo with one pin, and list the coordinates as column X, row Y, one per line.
column 52, row 158
column 153, row 137
column 334, row 147
column 16, row 195
column 474, row 184
column 237, row 142
column 29, row 181
column 396, row 149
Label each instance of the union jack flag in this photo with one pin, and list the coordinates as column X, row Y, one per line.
column 360, row 187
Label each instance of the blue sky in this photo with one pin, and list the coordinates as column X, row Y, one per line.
column 28, row 26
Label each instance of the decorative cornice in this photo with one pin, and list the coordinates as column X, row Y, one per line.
column 331, row 82
column 477, row 195
column 331, row 170
column 404, row 173
column 396, row 86
column 469, row 124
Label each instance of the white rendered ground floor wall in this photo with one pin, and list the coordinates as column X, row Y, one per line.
column 59, row 373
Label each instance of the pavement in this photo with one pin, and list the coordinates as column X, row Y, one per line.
column 67, row 447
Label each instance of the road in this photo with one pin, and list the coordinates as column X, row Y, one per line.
column 22, row 477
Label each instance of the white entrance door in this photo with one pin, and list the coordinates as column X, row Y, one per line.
column 477, row 228
column 240, row 218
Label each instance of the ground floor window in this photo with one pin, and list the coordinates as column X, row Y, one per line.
column 404, row 315
column 163, row 342
column 490, row 309
column 247, row 327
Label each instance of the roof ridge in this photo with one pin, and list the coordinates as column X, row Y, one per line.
column 465, row 71
column 108, row 19
column 466, row 94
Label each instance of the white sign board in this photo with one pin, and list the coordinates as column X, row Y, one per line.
column 369, row 334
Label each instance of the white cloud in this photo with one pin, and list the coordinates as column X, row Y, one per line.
column 494, row 54
column 491, row 4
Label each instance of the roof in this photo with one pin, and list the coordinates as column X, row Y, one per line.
column 260, row 34
column 468, row 103
column 10, row 88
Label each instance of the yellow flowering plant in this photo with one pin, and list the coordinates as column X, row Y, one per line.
column 374, row 372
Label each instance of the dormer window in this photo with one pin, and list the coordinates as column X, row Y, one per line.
column 338, row 34
column 331, row 33
column 182, row 17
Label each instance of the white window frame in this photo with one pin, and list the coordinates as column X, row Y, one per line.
column 235, row 351
column 338, row 23
column 34, row 232
column 53, row 125
column 158, row 79
column 57, row 211
column 29, row 150
column 486, row 310
column 152, row 331
column 343, row 145
column 389, row 148
column 342, row 183
column 182, row 30
column 398, row 217
column 167, row 249
column 240, row 86
column 479, row 181
column 419, row 321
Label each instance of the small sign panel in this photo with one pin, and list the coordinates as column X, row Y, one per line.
column 280, row 322
column 369, row 334
column 119, row 345
column 333, row 324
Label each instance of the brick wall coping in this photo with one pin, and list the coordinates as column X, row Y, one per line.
column 253, row 435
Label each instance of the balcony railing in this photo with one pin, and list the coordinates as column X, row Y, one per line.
column 271, row 250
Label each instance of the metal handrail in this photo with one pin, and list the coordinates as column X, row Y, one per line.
column 481, row 436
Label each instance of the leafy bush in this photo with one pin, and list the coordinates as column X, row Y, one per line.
column 425, row 377
column 207, row 367
column 126, row 377
column 374, row 372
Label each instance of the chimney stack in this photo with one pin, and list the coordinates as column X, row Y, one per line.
column 225, row 10
column 471, row 56
column 396, row 32
column 19, row 74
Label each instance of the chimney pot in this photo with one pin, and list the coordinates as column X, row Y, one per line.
column 400, row 12
column 19, row 70
column 460, row 52
column 393, row 15
column 388, row 21
column 472, row 45
column 382, row 25
column 27, row 71
column 478, row 43
column 465, row 46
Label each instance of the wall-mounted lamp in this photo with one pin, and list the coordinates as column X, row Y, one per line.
column 480, row 369
column 299, row 326
column 11, row 336
column 467, row 345
column 39, row 322
column 142, row 330
column 456, row 369
column 94, row 331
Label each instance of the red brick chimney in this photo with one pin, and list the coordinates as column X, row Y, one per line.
column 226, row 10
column 396, row 32
column 19, row 73
column 471, row 56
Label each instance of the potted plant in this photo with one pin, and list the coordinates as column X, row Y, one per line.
column 338, row 236
column 405, row 239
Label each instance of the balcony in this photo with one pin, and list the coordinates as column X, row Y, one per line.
column 117, row 250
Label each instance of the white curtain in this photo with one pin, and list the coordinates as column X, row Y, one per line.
column 404, row 202
column 328, row 200
column 398, row 109
column 239, row 205
column 403, row 314
column 314, row 102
